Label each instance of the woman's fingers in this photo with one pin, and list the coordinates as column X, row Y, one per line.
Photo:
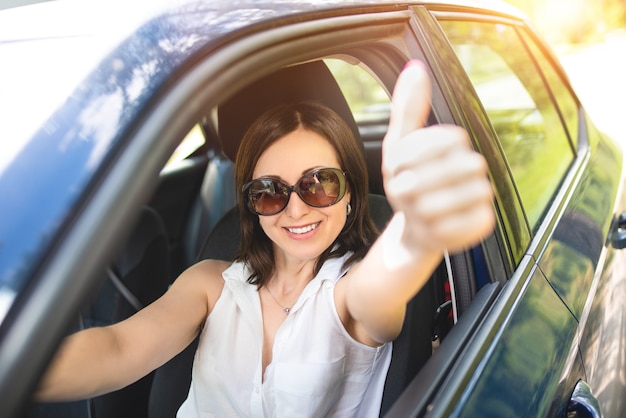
column 411, row 102
column 432, row 157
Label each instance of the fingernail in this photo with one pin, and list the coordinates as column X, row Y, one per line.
column 414, row 63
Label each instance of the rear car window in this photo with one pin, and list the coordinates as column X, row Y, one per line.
column 369, row 102
column 520, row 106
column 193, row 141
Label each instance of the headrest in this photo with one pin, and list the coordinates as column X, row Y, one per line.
column 310, row 81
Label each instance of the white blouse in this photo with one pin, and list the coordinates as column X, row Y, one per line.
column 317, row 369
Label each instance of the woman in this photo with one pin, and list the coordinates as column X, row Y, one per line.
column 299, row 324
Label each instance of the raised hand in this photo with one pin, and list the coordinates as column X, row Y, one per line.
column 433, row 179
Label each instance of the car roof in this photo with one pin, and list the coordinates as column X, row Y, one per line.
column 76, row 17
column 39, row 42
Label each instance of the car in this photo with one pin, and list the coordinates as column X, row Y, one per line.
column 120, row 125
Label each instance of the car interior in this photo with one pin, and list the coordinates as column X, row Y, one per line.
column 191, row 217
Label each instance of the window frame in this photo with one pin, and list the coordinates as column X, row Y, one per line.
column 543, row 100
column 461, row 376
column 528, row 241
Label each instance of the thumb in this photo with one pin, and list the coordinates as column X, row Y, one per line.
column 410, row 103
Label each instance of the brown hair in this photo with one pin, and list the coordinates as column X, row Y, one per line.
column 358, row 233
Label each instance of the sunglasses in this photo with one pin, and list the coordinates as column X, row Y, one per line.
column 318, row 188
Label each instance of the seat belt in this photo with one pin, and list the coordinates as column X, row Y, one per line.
column 124, row 291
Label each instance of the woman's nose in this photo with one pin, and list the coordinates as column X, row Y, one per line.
column 296, row 208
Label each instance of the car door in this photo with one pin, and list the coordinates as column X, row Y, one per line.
column 180, row 76
column 525, row 358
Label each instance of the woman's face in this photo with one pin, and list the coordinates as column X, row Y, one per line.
column 301, row 232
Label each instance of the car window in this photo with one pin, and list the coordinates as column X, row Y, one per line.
column 520, row 107
column 370, row 105
column 191, row 143
column 368, row 100
column 563, row 96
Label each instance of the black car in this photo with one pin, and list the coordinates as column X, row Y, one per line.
column 120, row 125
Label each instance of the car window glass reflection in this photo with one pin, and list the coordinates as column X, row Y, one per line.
column 564, row 98
column 520, row 108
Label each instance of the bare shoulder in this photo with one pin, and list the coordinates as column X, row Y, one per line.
column 206, row 277
column 209, row 269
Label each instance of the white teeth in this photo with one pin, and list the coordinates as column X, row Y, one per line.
column 304, row 229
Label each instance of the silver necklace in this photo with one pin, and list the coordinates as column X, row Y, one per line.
column 286, row 310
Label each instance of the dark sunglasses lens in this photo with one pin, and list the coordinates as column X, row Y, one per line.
column 267, row 197
column 322, row 188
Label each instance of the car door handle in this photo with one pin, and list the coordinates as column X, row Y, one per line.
column 618, row 232
column 583, row 404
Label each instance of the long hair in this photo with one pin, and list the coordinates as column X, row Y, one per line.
column 359, row 232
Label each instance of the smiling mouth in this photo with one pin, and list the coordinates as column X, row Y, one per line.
column 304, row 229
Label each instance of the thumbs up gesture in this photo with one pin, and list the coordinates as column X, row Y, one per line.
column 432, row 177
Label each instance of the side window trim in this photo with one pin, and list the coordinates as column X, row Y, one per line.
column 525, row 38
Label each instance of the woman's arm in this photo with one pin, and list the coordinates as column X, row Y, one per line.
column 100, row 360
column 439, row 190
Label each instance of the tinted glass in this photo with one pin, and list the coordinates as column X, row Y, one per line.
column 563, row 96
column 520, row 107
column 368, row 100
